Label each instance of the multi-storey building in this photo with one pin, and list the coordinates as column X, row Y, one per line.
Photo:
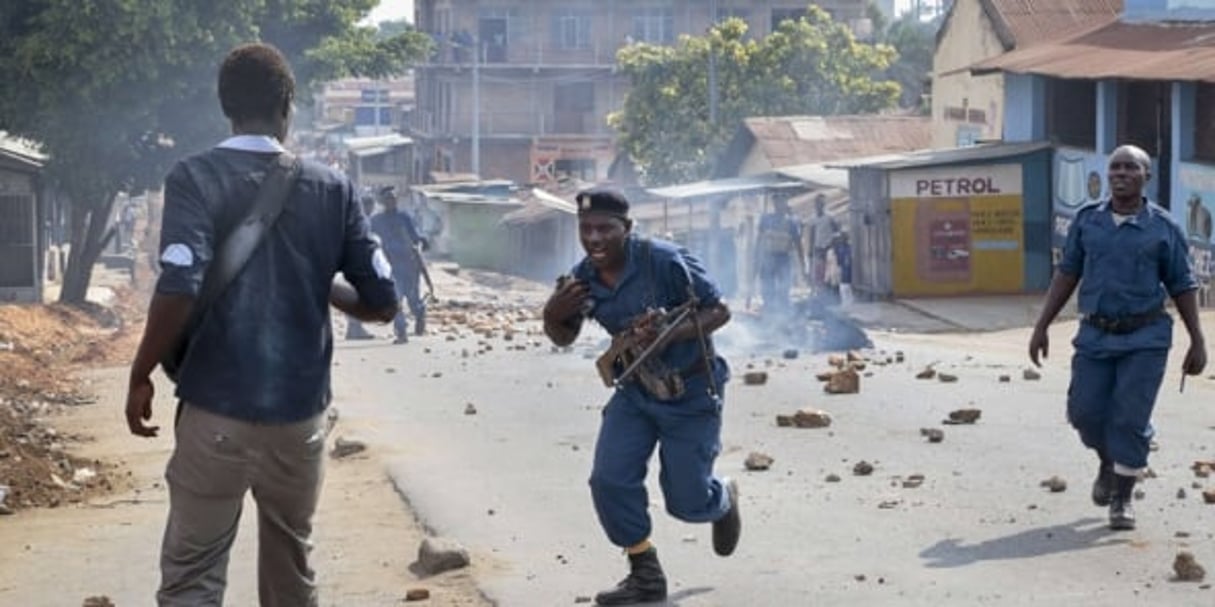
column 531, row 105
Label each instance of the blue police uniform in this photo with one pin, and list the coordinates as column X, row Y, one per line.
column 1126, row 271
column 687, row 430
column 398, row 235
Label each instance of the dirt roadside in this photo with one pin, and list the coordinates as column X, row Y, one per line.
column 107, row 546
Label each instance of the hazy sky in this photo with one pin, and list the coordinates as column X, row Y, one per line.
column 397, row 9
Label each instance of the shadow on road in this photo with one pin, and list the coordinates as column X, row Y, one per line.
column 1026, row 544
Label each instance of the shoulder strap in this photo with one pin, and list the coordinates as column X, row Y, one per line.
column 238, row 246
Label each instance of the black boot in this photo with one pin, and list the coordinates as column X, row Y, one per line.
column 1122, row 513
column 727, row 529
column 419, row 325
column 645, row 584
column 1103, row 485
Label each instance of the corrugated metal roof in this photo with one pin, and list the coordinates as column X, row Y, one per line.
column 355, row 144
column 800, row 140
column 817, row 174
column 714, row 187
column 1141, row 51
column 1022, row 23
column 21, row 150
column 939, row 157
column 541, row 205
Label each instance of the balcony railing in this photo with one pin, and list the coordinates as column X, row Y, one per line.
column 596, row 53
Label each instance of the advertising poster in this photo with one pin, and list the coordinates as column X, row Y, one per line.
column 1080, row 179
column 1194, row 214
column 958, row 230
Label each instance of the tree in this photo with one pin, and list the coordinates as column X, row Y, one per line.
column 808, row 66
column 115, row 91
column 915, row 41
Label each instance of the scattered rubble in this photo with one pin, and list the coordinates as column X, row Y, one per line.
column 98, row 601
column 810, row 418
column 1031, row 375
column 470, row 409
column 1181, row 494
column 913, row 482
column 790, row 354
column 963, row 416
column 832, row 478
column 1187, row 569
column 844, row 381
column 755, row 378
column 947, row 378
column 1055, row 484
column 927, row 373
column 437, row 555
column 758, row 461
column 1208, row 496
column 862, row 468
column 934, row 435
column 1004, row 379
column 344, row 447
column 417, row 594
column 1202, row 469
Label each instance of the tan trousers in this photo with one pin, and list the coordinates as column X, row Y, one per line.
column 215, row 461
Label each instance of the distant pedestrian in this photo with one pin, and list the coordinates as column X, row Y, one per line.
column 1127, row 256
column 778, row 248
column 823, row 228
column 404, row 245
column 254, row 381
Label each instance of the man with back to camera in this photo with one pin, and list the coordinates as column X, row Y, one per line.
column 620, row 283
column 778, row 246
column 403, row 245
column 254, row 384
column 1125, row 254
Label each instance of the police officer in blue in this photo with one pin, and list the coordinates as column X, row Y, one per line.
column 1126, row 255
column 403, row 245
column 621, row 279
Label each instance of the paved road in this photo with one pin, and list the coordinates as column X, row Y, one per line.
column 509, row 482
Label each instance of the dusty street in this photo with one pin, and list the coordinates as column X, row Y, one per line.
column 506, row 477
column 509, row 481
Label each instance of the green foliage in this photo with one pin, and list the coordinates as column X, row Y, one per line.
column 117, row 90
column 915, row 41
column 808, row 66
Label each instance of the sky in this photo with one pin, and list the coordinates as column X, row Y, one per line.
column 398, row 9
column 390, row 10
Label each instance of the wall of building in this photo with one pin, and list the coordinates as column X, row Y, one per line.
column 966, row 107
column 20, row 254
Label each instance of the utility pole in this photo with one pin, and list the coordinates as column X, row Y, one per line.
column 476, row 109
column 712, row 66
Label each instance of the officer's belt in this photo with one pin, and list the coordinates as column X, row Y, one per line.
column 1121, row 325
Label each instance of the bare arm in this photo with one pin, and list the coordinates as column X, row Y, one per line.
column 1062, row 285
column 1187, row 307
column 167, row 318
column 563, row 311
column 345, row 298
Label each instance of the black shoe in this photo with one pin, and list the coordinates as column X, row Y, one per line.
column 1122, row 513
column 645, row 584
column 401, row 339
column 727, row 529
column 1103, row 485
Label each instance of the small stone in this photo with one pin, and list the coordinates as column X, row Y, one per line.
column 1031, row 375
column 790, row 354
column 1202, row 470
column 1187, row 568
column 437, row 374
column 889, row 504
column 927, row 373
column 845, row 381
column 417, row 594
column 98, row 601
column 470, row 409
column 898, row 357
column 1181, row 493
column 755, row 378
column 582, row 599
column 824, row 376
column 1196, row 485
column 1208, row 496
column 1055, row 484
column 964, row 416
column 689, row 539
column 860, row 577
column 1181, row 534
column 811, row 418
column 436, row 555
column 833, row 478
column 934, row 435
column 862, row 468
column 913, row 481
column 344, row 447
column 837, row 361
column 947, row 378
column 784, row 421
column 1004, row 379
column 758, row 461
column 1139, row 494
